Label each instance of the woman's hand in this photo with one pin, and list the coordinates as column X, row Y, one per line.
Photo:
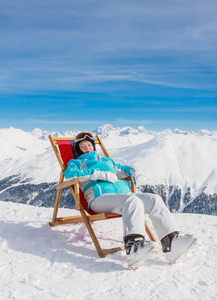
column 137, row 177
column 106, row 176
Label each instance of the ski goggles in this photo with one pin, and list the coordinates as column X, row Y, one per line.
column 83, row 136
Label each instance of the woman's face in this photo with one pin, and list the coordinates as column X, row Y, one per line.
column 86, row 146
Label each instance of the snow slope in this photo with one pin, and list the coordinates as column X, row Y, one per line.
column 41, row 262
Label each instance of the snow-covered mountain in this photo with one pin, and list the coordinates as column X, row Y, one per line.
column 42, row 262
column 179, row 165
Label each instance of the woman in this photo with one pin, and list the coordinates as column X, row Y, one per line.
column 106, row 192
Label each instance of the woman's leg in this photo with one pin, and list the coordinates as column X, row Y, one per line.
column 132, row 208
column 128, row 205
column 159, row 214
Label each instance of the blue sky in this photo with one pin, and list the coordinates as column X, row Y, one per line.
column 68, row 64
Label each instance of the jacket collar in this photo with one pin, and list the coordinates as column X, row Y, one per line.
column 91, row 155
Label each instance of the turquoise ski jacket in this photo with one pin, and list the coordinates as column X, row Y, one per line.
column 84, row 166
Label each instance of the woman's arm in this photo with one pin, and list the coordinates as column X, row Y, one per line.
column 73, row 171
column 121, row 171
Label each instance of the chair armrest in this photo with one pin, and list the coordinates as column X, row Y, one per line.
column 68, row 183
column 128, row 178
column 133, row 187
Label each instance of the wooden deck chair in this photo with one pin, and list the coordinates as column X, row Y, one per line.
column 63, row 150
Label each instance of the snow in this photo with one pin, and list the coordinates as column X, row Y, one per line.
column 42, row 262
column 180, row 160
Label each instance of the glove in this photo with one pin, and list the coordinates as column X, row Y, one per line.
column 137, row 177
column 106, row 176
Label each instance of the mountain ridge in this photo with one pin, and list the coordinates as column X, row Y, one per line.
column 176, row 160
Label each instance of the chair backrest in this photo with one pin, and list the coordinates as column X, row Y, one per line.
column 66, row 150
column 63, row 148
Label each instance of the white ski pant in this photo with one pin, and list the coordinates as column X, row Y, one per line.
column 132, row 207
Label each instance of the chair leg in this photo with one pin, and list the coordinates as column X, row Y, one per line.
column 92, row 234
column 56, row 207
column 57, row 202
column 149, row 232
